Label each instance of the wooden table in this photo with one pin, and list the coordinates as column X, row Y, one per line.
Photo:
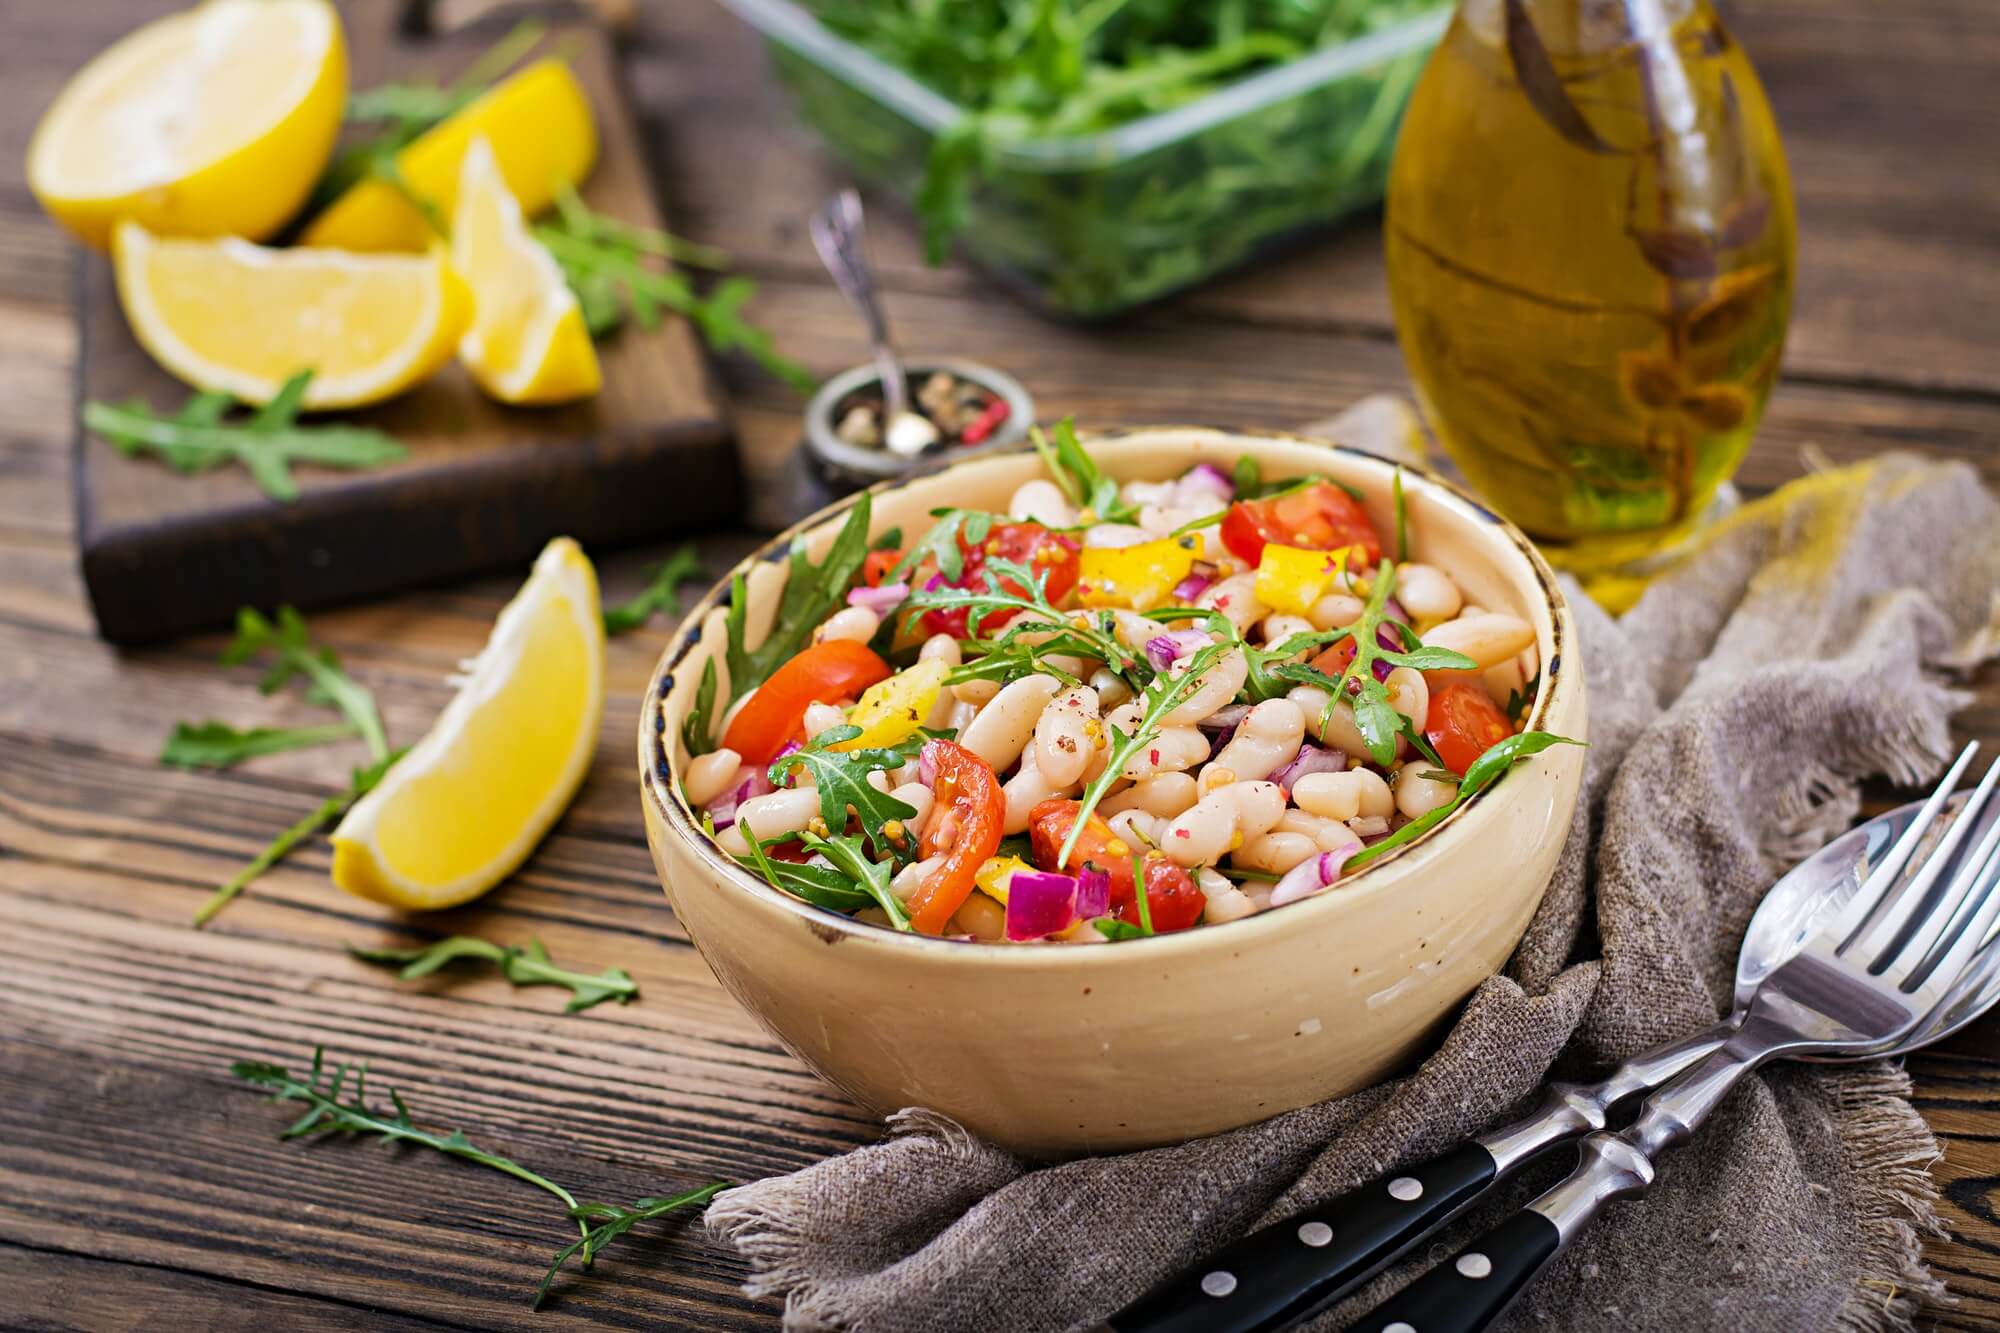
column 141, row 1186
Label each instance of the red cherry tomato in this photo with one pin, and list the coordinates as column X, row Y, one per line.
column 1464, row 723
column 1319, row 517
column 1335, row 659
column 876, row 567
column 836, row 669
column 1173, row 899
column 964, row 827
column 1028, row 544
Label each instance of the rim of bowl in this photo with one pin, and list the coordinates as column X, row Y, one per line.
column 1556, row 673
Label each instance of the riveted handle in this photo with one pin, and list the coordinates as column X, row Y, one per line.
column 1468, row 1292
column 1285, row 1271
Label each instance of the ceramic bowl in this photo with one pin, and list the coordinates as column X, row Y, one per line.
column 1060, row 1050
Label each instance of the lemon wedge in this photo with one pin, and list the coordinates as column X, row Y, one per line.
column 540, row 126
column 213, row 121
column 470, row 800
column 242, row 318
column 528, row 342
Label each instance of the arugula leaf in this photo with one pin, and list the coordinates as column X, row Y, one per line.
column 196, row 438
column 1113, row 929
column 1483, row 773
column 1056, row 633
column 892, row 540
column 527, row 965
column 295, row 655
column 841, row 777
column 812, row 592
column 1521, row 700
column 219, row 745
column 612, row 1222
column 822, row 886
column 1078, row 475
column 662, row 592
column 323, row 814
column 1162, row 696
column 1140, row 901
column 847, row 854
column 941, row 543
column 1248, row 475
column 698, row 727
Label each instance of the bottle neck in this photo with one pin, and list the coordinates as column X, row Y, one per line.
column 1574, row 28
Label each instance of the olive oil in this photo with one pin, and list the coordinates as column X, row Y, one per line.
column 1590, row 243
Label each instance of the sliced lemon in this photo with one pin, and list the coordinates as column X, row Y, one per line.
column 213, row 121
column 468, row 803
column 528, row 342
column 242, row 318
column 540, row 126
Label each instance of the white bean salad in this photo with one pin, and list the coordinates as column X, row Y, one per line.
column 1113, row 711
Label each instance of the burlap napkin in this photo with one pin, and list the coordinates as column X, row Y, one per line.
column 1733, row 712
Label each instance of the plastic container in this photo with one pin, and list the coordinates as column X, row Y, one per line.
column 1090, row 226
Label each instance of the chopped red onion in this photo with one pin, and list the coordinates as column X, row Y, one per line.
column 1040, row 902
column 1311, row 875
column 752, row 781
column 1093, row 892
column 927, row 765
column 880, row 600
column 1191, row 587
column 1311, row 759
column 1163, row 650
column 1212, row 479
column 934, row 582
column 1385, row 638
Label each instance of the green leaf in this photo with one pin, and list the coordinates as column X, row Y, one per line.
column 196, row 438
column 813, row 591
column 1115, row 930
column 941, row 544
column 662, row 592
column 611, row 1221
column 1485, row 771
column 847, row 854
column 219, row 745
column 822, row 886
column 841, row 777
column 1078, row 475
column 293, row 655
column 1428, row 659
column 523, row 966
column 698, row 728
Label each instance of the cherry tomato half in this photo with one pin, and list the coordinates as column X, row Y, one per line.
column 1319, row 517
column 1029, row 544
column 876, row 567
column 836, row 669
column 964, row 827
column 1173, row 899
column 1464, row 723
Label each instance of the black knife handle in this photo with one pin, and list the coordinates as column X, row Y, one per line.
column 1467, row 1292
column 1285, row 1271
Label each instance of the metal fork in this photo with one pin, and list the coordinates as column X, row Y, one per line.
column 1860, row 981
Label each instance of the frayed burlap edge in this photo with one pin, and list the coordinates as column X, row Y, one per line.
column 1890, row 1152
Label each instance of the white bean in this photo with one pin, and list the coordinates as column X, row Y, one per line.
column 1226, row 902
column 941, row 648
column 1204, row 833
column 1174, row 749
column 856, row 623
column 1110, row 686
column 1329, row 726
column 1334, row 610
column 1427, row 593
column 1409, row 695
column 920, row 798
column 710, row 775
column 1042, row 501
column 1329, row 835
column 1342, row 796
column 1488, row 639
column 1065, row 734
column 1275, row 852
column 976, row 692
column 1112, row 535
column 961, row 715
column 1001, row 731
column 1236, row 598
column 1023, row 792
column 1417, row 795
column 1218, row 685
column 910, row 876
column 1276, row 629
column 771, row 814
column 1135, row 827
column 1265, row 742
column 823, row 717
column 980, row 917
column 1163, row 794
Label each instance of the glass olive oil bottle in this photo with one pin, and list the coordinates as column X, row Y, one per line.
column 1590, row 244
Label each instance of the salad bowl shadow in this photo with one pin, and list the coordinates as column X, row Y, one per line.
column 1062, row 1050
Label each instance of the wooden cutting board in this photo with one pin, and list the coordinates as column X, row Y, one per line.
column 483, row 486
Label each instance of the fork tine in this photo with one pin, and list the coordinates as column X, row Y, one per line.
column 1935, row 909
column 1966, row 930
column 1885, row 903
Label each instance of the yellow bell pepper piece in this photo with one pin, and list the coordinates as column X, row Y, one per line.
column 996, row 873
column 1140, row 577
column 1292, row 579
column 890, row 711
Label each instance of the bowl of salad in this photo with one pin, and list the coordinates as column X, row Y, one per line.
column 1119, row 792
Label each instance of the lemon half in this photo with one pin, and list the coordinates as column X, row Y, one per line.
column 528, row 342
column 468, row 803
column 243, row 318
column 539, row 123
column 213, row 121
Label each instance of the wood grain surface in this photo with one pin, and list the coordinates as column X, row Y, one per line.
column 483, row 485
column 141, row 1187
